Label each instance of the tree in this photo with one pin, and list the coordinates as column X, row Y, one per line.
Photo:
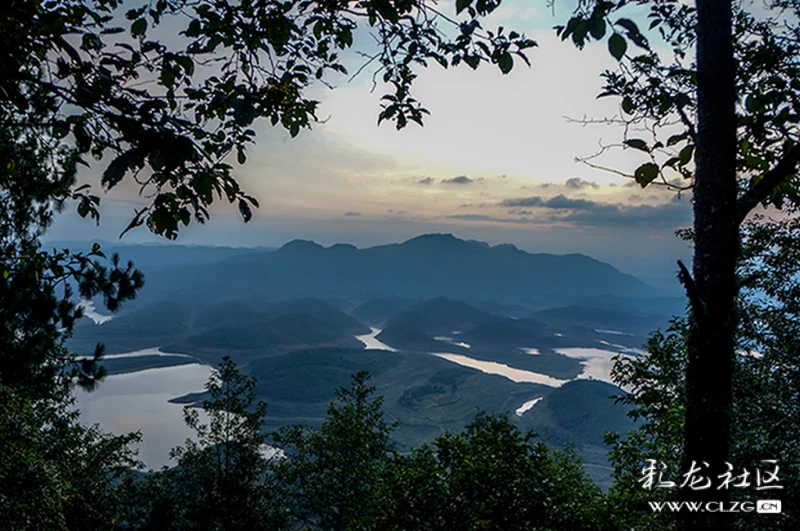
column 222, row 479
column 78, row 81
column 332, row 474
column 489, row 476
column 84, row 82
column 765, row 416
column 727, row 105
column 55, row 473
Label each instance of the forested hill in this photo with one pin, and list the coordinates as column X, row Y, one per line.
column 423, row 267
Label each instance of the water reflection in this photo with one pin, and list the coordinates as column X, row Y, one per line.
column 153, row 351
column 492, row 367
column 90, row 312
column 452, row 341
column 140, row 401
column 597, row 363
column 370, row 341
column 527, row 406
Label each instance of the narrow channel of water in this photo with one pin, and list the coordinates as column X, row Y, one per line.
column 371, row 342
column 527, row 406
column 492, row 367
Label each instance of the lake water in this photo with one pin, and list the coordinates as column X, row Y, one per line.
column 527, row 406
column 492, row 367
column 140, row 401
column 370, row 342
column 90, row 312
column 452, row 341
column 596, row 363
column 155, row 351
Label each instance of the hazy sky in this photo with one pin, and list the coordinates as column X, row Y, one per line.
column 495, row 161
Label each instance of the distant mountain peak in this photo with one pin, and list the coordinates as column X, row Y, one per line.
column 343, row 247
column 432, row 238
column 300, row 245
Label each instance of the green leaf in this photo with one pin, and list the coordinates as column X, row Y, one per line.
column 506, row 63
column 646, row 173
column 628, row 24
column 347, row 36
column 60, row 129
column 571, row 25
column 637, row 143
column 617, row 46
column 579, row 35
column 754, row 104
column 461, row 5
column 386, row 10
column 674, row 139
column 627, row 105
column 686, row 154
column 187, row 64
column 116, row 170
column 597, row 27
column 138, row 27
column 245, row 211
column 194, row 28
column 167, row 77
column 472, row 61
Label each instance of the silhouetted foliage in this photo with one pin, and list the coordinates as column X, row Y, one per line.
column 331, row 475
column 222, row 479
column 765, row 418
column 490, row 476
column 721, row 112
column 55, row 473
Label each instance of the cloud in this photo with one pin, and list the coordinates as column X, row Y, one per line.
column 352, row 214
column 426, row 181
column 564, row 202
column 534, row 201
column 558, row 202
column 583, row 212
column 576, row 183
column 461, row 179
column 481, row 217
column 670, row 214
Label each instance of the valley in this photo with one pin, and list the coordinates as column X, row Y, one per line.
column 435, row 361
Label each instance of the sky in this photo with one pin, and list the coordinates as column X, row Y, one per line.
column 495, row 161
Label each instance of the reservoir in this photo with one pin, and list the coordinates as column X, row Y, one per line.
column 140, row 401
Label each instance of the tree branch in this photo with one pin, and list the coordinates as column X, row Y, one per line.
column 785, row 168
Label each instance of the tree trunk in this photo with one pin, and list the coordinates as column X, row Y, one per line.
column 712, row 292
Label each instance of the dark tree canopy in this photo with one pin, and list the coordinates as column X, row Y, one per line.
column 718, row 116
column 93, row 79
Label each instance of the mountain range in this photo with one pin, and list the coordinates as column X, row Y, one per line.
column 424, row 267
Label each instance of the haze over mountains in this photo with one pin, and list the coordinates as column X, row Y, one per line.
column 424, row 267
column 445, row 326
